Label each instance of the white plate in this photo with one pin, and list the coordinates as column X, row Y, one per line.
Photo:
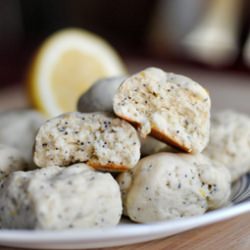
column 229, row 90
column 127, row 232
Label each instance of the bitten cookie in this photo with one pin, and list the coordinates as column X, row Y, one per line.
column 11, row 160
column 100, row 96
column 94, row 100
column 230, row 142
column 165, row 186
column 170, row 107
column 18, row 129
column 57, row 198
column 97, row 139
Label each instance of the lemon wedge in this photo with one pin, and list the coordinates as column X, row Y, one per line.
column 66, row 65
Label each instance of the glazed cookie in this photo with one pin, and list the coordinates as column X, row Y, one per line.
column 100, row 96
column 11, row 160
column 97, row 139
column 18, row 129
column 230, row 142
column 165, row 186
column 170, row 107
column 57, row 198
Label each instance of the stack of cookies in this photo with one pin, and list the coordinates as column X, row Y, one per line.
column 139, row 146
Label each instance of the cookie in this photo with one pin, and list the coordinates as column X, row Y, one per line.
column 18, row 129
column 166, row 186
column 57, row 198
column 230, row 142
column 101, row 141
column 150, row 145
column 99, row 96
column 11, row 160
column 170, row 107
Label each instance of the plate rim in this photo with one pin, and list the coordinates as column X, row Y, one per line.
column 123, row 231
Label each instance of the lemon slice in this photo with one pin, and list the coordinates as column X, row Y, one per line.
column 66, row 65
